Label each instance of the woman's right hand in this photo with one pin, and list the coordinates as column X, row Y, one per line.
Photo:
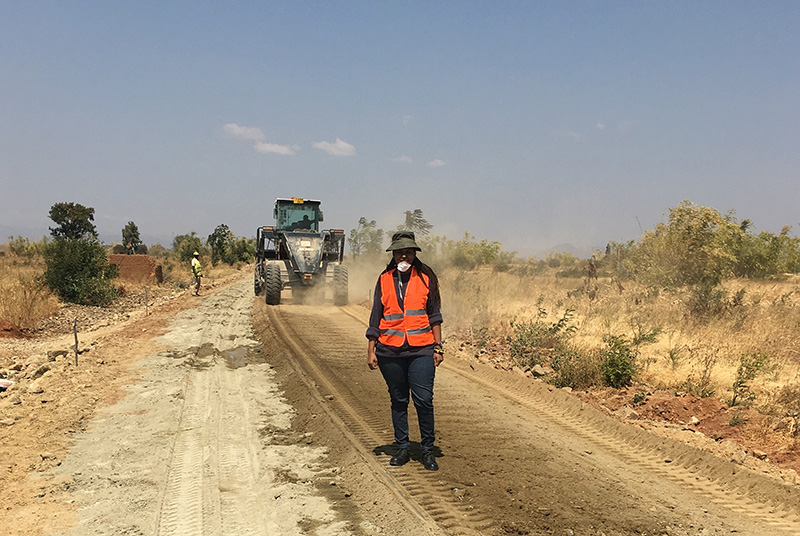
column 372, row 359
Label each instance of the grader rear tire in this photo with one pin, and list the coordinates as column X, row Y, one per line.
column 340, row 292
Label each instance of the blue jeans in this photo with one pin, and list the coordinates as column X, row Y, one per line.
column 415, row 374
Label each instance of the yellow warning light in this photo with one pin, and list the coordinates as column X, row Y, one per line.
column 298, row 200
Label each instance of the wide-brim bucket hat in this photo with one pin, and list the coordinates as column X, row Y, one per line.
column 403, row 240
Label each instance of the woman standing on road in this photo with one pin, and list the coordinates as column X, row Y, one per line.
column 405, row 342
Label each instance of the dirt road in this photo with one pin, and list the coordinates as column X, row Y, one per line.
column 518, row 457
column 249, row 419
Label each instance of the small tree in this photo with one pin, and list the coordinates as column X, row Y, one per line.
column 366, row 238
column 243, row 249
column 184, row 245
column 130, row 238
column 221, row 242
column 73, row 221
column 77, row 267
column 415, row 221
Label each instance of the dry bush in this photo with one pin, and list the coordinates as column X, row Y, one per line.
column 686, row 353
column 24, row 300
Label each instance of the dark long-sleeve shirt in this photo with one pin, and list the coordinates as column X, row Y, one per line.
column 432, row 309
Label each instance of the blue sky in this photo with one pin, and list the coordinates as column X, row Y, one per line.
column 531, row 123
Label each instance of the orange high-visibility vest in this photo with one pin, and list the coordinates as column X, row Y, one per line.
column 411, row 323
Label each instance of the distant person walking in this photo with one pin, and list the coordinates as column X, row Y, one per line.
column 405, row 343
column 197, row 271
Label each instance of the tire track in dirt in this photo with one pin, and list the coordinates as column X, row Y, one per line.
column 238, row 459
column 323, row 357
column 202, row 445
column 359, row 431
column 216, row 450
column 453, row 506
column 181, row 512
column 212, row 456
column 776, row 505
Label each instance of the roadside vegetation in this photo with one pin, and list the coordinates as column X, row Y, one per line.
column 700, row 305
column 72, row 265
column 24, row 299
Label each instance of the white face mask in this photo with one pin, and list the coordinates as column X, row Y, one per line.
column 403, row 266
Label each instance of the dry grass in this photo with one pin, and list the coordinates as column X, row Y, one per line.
column 24, row 300
column 699, row 355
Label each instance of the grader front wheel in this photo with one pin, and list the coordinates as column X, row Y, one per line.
column 272, row 284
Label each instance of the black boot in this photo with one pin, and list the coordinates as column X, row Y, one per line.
column 401, row 458
column 429, row 461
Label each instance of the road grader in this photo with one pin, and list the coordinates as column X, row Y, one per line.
column 294, row 253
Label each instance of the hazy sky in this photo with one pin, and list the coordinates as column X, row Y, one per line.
column 533, row 123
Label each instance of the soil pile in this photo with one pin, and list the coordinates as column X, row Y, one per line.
column 138, row 268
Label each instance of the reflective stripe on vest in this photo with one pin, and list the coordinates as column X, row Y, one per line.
column 413, row 324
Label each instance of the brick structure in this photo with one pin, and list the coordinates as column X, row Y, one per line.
column 139, row 268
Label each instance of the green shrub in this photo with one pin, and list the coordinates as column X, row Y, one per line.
column 469, row 253
column 700, row 247
column 619, row 362
column 574, row 272
column 707, row 299
column 183, row 246
column 529, row 267
column 749, row 367
column 77, row 270
column 737, row 419
column 21, row 246
column 535, row 342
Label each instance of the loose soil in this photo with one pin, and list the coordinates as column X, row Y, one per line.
column 9, row 330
